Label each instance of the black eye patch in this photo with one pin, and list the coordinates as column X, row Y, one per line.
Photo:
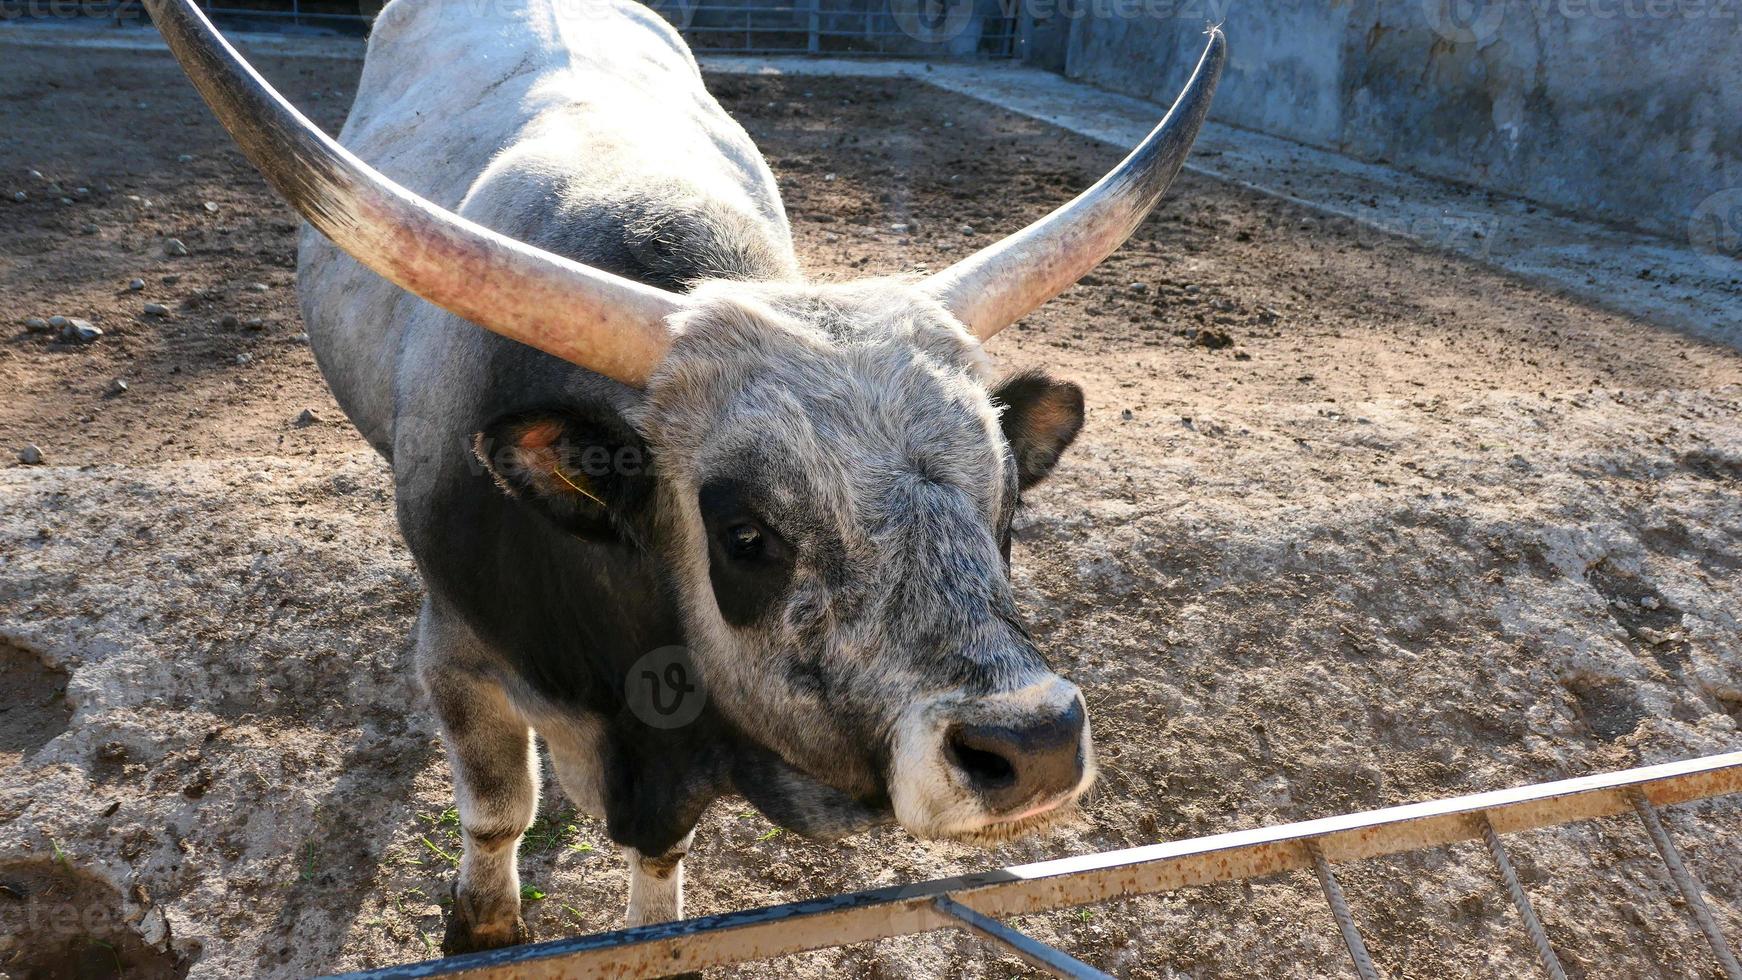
column 749, row 563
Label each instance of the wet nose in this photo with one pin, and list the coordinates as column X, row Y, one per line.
column 1015, row 765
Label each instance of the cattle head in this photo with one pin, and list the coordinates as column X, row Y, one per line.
column 837, row 466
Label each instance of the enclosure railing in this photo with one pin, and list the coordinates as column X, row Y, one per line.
column 843, row 27
column 831, row 27
column 977, row 902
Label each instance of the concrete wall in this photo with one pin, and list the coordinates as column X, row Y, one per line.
column 1628, row 110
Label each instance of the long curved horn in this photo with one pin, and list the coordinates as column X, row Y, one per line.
column 997, row 285
column 600, row 321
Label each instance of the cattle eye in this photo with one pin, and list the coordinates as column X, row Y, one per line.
column 743, row 542
column 749, row 563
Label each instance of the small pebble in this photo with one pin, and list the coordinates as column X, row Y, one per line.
column 966, row 229
column 1649, row 602
column 20, row 196
column 212, row 206
column 37, row 175
column 1126, row 414
column 30, row 455
column 79, row 331
column 170, row 280
column 308, row 417
column 135, row 285
column 898, row 227
column 88, row 229
column 1138, row 287
column 244, row 358
column 81, row 192
column 59, row 323
column 259, row 287
column 66, row 200
column 156, row 309
column 229, row 322
column 174, row 247
column 299, row 338
column 118, row 386
column 185, row 158
column 254, row 323
column 36, row 324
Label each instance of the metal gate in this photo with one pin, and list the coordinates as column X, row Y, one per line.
column 888, row 28
column 975, row 903
column 985, row 28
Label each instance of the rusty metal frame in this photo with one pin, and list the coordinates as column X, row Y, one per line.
column 975, row 902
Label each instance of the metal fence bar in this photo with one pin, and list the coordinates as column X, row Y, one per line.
column 839, row 920
column 1551, row 963
column 295, row 16
column 1685, row 882
column 777, row 29
column 1030, row 951
column 1340, row 911
column 809, row 22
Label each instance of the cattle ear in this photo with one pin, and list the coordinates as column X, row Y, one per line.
column 1041, row 419
column 587, row 472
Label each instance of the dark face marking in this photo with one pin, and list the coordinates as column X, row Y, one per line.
column 749, row 563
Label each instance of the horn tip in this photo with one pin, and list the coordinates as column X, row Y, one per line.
column 1217, row 38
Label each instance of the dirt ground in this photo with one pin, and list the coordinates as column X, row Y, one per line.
column 1352, row 524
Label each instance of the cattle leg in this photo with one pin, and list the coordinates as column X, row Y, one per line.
column 656, row 884
column 495, row 784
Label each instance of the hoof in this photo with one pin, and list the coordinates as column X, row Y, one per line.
column 464, row 935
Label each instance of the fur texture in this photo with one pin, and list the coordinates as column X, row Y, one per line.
column 864, row 473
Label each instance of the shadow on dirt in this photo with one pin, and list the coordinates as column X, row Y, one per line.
column 59, row 923
column 34, row 709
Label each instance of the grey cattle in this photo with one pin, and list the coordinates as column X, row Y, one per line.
column 703, row 525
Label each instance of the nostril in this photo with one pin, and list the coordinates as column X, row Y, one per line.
column 1010, row 766
column 978, row 757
